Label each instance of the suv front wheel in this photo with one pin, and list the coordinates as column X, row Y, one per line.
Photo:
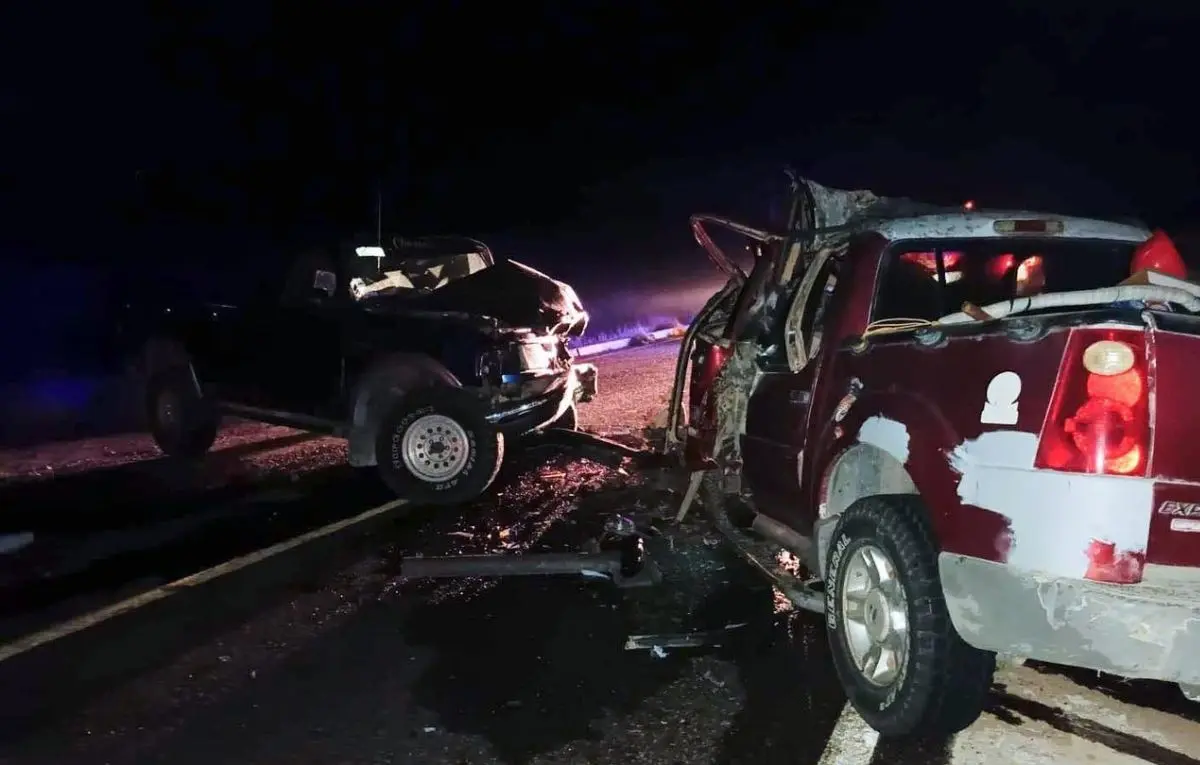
column 904, row 667
column 435, row 446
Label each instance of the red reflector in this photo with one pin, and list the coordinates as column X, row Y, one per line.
column 1097, row 423
column 1106, row 564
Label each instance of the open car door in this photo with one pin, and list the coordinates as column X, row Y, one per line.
column 759, row 315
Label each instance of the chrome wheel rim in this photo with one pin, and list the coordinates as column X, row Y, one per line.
column 435, row 448
column 875, row 616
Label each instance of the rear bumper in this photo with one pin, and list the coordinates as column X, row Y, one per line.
column 1148, row 630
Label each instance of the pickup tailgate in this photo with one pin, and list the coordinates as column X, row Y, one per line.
column 1174, row 362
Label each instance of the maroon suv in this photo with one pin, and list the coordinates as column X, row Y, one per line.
column 973, row 430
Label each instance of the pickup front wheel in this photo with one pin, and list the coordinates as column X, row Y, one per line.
column 435, row 446
column 182, row 422
column 903, row 665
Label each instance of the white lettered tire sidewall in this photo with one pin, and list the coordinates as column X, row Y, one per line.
column 485, row 446
column 864, row 696
column 944, row 683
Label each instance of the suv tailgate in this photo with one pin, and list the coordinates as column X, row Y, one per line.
column 1174, row 456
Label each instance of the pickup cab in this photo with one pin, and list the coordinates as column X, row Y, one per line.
column 971, row 428
column 424, row 353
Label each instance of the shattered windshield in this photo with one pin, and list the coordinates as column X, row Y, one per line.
column 930, row 279
column 389, row 275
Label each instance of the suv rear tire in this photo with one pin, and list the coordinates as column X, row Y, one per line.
column 182, row 422
column 435, row 446
column 938, row 684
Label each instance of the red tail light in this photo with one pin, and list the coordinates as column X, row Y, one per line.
column 1099, row 415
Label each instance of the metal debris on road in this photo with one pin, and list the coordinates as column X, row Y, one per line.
column 713, row 638
column 619, row 525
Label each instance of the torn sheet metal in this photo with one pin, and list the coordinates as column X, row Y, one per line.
column 837, row 207
column 731, row 391
column 799, row 346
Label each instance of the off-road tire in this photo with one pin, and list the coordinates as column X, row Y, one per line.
column 944, row 685
column 485, row 446
column 191, row 429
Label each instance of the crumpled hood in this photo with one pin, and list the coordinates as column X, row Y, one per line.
column 512, row 293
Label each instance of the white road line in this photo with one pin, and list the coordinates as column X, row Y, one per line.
column 80, row 623
column 852, row 741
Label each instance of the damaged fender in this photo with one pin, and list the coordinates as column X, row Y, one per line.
column 902, row 452
column 386, row 378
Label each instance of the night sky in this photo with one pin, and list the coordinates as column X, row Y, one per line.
column 575, row 135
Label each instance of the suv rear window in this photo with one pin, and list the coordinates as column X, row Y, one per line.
column 983, row 271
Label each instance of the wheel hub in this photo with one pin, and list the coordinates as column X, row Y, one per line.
column 876, row 613
column 167, row 408
column 435, row 448
column 875, row 616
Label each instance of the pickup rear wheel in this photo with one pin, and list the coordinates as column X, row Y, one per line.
column 902, row 664
column 435, row 446
column 182, row 422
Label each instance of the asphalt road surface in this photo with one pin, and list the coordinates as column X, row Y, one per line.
column 319, row 651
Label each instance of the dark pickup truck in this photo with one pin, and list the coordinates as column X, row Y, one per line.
column 425, row 354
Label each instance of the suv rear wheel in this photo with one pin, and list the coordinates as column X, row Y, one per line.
column 435, row 446
column 182, row 422
column 903, row 665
